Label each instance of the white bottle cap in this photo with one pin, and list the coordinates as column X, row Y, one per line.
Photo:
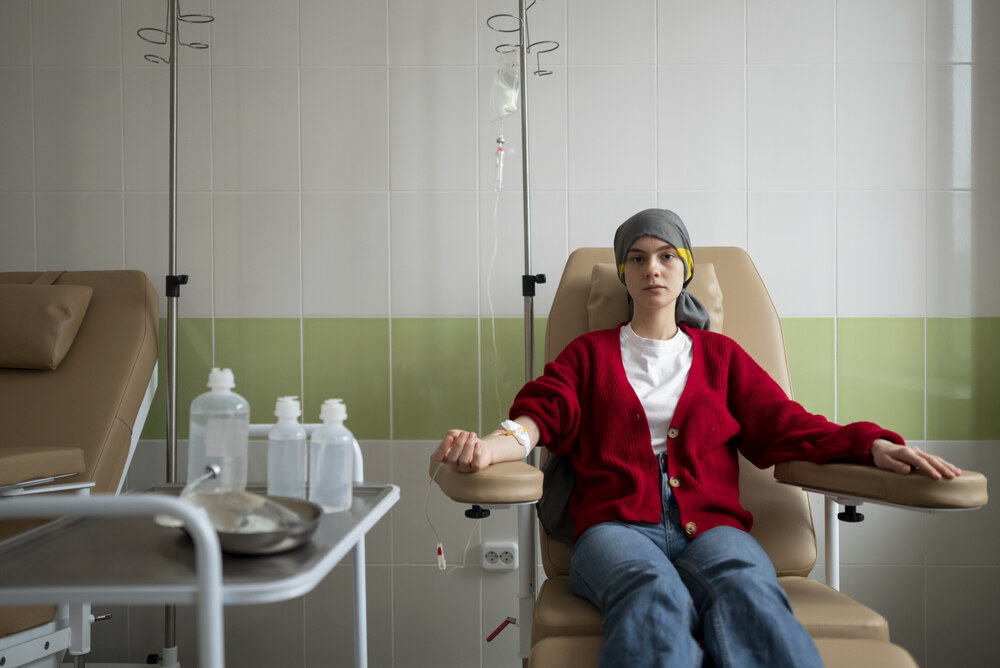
column 333, row 409
column 221, row 379
column 287, row 407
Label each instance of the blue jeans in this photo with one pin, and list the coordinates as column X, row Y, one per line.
column 661, row 591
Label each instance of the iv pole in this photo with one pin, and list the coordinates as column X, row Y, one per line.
column 173, row 280
column 169, row 35
column 172, row 293
column 525, row 512
column 528, row 280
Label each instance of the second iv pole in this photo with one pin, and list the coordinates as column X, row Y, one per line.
column 525, row 514
column 525, row 47
column 169, row 36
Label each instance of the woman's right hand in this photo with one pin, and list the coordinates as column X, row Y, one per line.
column 464, row 451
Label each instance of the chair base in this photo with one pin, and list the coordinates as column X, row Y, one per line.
column 42, row 646
column 860, row 653
column 583, row 652
column 824, row 612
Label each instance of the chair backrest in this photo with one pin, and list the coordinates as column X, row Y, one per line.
column 92, row 398
column 585, row 300
column 78, row 352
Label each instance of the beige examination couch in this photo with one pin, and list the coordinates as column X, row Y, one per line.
column 566, row 631
column 78, row 353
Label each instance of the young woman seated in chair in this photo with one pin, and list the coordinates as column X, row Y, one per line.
column 652, row 415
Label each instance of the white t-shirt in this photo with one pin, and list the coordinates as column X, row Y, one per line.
column 657, row 371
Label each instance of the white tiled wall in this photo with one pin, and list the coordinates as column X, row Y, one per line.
column 728, row 111
column 845, row 143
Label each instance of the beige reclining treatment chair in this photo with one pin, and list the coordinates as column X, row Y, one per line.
column 566, row 630
column 78, row 356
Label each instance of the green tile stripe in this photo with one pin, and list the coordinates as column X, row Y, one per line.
column 880, row 373
column 435, row 376
column 503, row 368
column 444, row 372
column 963, row 378
column 264, row 356
column 262, row 352
column 194, row 361
column 809, row 346
column 348, row 358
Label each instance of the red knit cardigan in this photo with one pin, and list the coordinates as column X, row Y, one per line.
column 585, row 407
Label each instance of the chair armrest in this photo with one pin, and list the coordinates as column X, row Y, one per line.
column 869, row 483
column 499, row 484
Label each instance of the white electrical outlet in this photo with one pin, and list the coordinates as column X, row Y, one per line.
column 499, row 556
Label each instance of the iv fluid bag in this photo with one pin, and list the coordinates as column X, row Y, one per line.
column 506, row 88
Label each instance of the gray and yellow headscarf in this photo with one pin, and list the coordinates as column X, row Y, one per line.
column 666, row 225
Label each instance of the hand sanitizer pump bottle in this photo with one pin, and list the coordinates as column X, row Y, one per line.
column 286, row 451
column 331, row 459
column 220, row 425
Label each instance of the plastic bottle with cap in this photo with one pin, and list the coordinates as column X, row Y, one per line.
column 286, row 451
column 331, row 459
column 220, row 424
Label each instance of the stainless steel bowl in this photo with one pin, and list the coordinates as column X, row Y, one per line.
column 272, row 542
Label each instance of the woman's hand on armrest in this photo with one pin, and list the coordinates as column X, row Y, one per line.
column 903, row 458
column 465, row 452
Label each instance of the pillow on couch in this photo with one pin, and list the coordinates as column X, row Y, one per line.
column 39, row 322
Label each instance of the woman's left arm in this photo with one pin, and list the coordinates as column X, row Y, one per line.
column 904, row 458
column 775, row 428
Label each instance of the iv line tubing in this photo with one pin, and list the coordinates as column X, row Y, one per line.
column 489, row 300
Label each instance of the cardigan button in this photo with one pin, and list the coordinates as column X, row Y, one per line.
column 673, row 432
column 690, row 528
column 674, row 482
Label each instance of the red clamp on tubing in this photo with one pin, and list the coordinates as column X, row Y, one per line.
column 503, row 625
column 440, row 555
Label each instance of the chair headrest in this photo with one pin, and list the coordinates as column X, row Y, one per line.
column 607, row 304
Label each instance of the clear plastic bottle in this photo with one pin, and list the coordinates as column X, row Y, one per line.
column 220, row 424
column 287, row 455
column 331, row 459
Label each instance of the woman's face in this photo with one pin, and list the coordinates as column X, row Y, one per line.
column 654, row 273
